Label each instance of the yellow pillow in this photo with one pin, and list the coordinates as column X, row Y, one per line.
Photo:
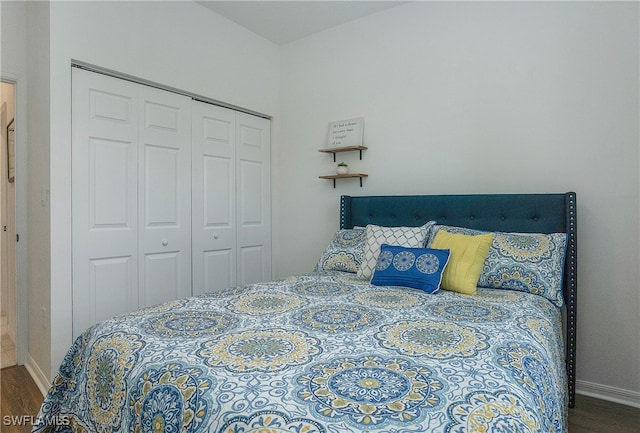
column 465, row 262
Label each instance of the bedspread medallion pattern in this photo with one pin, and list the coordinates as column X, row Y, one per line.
column 319, row 353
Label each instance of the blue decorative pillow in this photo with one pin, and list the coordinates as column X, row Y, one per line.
column 345, row 252
column 419, row 268
column 527, row 262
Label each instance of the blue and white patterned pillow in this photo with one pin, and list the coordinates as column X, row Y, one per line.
column 419, row 268
column 378, row 235
column 345, row 252
column 527, row 262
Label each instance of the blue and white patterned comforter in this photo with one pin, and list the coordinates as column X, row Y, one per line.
column 319, row 353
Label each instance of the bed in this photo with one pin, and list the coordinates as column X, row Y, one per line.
column 329, row 351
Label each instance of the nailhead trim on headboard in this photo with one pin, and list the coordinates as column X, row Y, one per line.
column 571, row 293
column 343, row 212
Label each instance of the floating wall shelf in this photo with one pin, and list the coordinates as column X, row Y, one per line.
column 335, row 150
column 344, row 176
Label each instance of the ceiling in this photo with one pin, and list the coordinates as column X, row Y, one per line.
column 286, row 21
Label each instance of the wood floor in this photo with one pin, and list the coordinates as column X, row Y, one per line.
column 598, row 416
column 21, row 398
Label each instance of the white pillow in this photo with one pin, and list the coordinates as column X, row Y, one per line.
column 412, row 237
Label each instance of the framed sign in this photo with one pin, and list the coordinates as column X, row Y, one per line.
column 344, row 133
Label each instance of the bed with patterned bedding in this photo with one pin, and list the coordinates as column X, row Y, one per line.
column 322, row 352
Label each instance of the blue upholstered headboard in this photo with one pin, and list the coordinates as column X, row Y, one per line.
column 525, row 213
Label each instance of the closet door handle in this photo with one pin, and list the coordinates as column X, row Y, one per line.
column 216, row 236
column 165, row 242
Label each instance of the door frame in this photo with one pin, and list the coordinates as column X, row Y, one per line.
column 21, row 188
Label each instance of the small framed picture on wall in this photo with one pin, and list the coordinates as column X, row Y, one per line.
column 344, row 133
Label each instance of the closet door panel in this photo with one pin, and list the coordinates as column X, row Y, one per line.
column 254, row 198
column 164, row 196
column 162, row 184
column 251, row 193
column 163, row 277
column 252, row 264
column 111, row 197
column 213, row 198
column 106, row 273
column 104, row 193
column 218, row 269
column 218, row 189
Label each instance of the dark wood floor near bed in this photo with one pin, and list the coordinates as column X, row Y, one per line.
column 598, row 416
column 21, row 397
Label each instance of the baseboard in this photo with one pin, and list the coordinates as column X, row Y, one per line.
column 37, row 375
column 609, row 393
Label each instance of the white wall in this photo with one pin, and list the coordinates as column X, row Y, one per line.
column 178, row 44
column 504, row 97
column 39, row 231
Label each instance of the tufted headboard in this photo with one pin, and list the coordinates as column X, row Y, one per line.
column 525, row 213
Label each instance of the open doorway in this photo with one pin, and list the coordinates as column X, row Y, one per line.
column 8, row 303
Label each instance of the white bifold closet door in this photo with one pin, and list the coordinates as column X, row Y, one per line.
column 232, row 217
column 170, row 197
column 131, row 197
